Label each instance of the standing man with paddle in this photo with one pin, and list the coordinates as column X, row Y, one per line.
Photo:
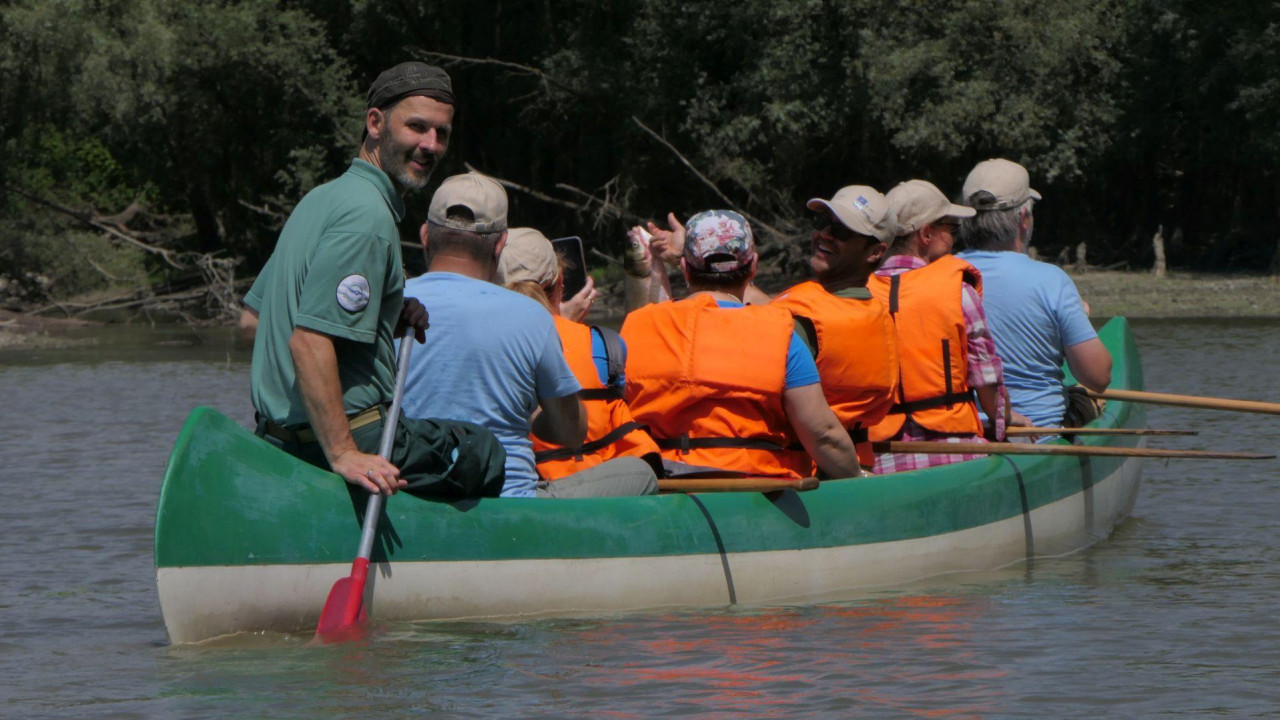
column 1033, row 308
column 330, row 301
column 948, row 360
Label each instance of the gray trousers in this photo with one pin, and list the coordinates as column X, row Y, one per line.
column 619, row 477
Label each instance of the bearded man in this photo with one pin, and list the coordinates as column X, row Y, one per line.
column 330, row 302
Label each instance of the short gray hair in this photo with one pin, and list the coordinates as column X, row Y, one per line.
column 994, row 229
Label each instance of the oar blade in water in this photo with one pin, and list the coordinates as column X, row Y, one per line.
column 344, row 615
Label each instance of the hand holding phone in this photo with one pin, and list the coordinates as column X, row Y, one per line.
column 574, row 263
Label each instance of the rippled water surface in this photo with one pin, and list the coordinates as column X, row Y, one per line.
column 1175, row 614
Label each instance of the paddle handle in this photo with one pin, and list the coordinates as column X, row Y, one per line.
column 374, row 508
column 1140, row 396
column 736, row 484
column 980, row 448
column 1048, row 431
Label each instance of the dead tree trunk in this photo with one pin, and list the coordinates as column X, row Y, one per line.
column 1157, row 243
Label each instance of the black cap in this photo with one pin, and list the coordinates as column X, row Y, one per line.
column 410, row 78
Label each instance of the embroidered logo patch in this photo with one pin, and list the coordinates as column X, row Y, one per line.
column 353, row 293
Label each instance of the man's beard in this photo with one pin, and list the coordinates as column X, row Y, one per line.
column 395, row 162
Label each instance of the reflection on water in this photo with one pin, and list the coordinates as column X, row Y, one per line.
column 1173, row 614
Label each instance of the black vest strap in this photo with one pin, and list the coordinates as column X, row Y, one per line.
column 605, row 393
column 895, row 282
column 858, row 434
column 929, row 403
column 684, row 443
column 600, row 443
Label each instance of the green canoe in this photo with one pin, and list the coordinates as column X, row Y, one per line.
column 250, row 539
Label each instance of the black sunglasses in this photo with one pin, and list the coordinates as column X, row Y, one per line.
column 834, row 228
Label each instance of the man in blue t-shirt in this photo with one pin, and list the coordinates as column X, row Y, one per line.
column 493, row 356
column 1034, row 310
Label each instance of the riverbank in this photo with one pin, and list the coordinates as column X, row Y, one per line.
column 1108, row 292
column 1143, row 295
column 1178, row 295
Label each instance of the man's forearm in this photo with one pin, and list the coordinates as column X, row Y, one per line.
column 316, row 363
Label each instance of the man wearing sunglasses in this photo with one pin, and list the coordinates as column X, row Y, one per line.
column 848, row 330
column 946, row 355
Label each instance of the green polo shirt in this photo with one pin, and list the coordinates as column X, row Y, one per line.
column 337, row 270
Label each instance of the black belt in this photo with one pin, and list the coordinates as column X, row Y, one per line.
column 587, row 448
column 303, row 434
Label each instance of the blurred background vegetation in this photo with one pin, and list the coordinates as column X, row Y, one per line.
column 150, row 150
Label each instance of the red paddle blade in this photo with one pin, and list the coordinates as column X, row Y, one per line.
column 344, row 616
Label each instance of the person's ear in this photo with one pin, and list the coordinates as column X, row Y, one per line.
column 502, row 243
column 375, row 122
column 422, row 235
column 755, row 257
column 875, row 253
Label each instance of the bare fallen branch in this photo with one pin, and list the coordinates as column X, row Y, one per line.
column 707, row 181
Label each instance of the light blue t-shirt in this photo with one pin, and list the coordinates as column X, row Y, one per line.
column 801, row 369
column 1034, row 313
column 490, row 354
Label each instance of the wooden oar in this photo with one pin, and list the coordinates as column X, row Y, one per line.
column 1210, row 403
column 735, row 484
column 1044, row 431
column 344, row 611
column 978, row 448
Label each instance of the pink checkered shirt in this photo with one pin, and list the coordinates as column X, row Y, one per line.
column 984, row 369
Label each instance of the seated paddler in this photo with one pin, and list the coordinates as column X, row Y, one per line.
column 848, row 328
column 728, row 388
column 494, row 356
column 597, row 356
column 948, row 361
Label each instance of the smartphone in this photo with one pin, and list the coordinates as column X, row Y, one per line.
column 575, row 264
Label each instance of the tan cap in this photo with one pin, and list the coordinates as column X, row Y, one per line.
column 860, row 208
column 479, row 194
column 528, row 255
column 918, row 203
column 997, row 185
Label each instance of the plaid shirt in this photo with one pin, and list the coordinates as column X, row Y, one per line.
column 984, row 369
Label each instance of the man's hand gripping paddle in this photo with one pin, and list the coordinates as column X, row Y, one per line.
column 344, row 616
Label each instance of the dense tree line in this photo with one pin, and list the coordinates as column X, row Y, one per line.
column 145, row 142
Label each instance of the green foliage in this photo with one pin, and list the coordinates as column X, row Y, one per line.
column 1129, row 115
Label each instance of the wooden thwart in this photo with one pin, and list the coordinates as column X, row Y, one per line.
column 1047, row 431
column 1210, row 403
column 735, row 484
column 978, row 448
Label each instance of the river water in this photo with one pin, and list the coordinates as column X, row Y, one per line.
column 1174, row 615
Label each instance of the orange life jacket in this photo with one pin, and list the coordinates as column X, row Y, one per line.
column 708, row 382
column 857, row 356
column 933, row 347
column 611, row 430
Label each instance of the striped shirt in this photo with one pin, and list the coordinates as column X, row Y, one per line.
column 984, row 369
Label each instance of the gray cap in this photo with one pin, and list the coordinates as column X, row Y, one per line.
column 919, row 202
column 481, row 195
column 410, row 78
column 860, row 208
column 997, row 185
